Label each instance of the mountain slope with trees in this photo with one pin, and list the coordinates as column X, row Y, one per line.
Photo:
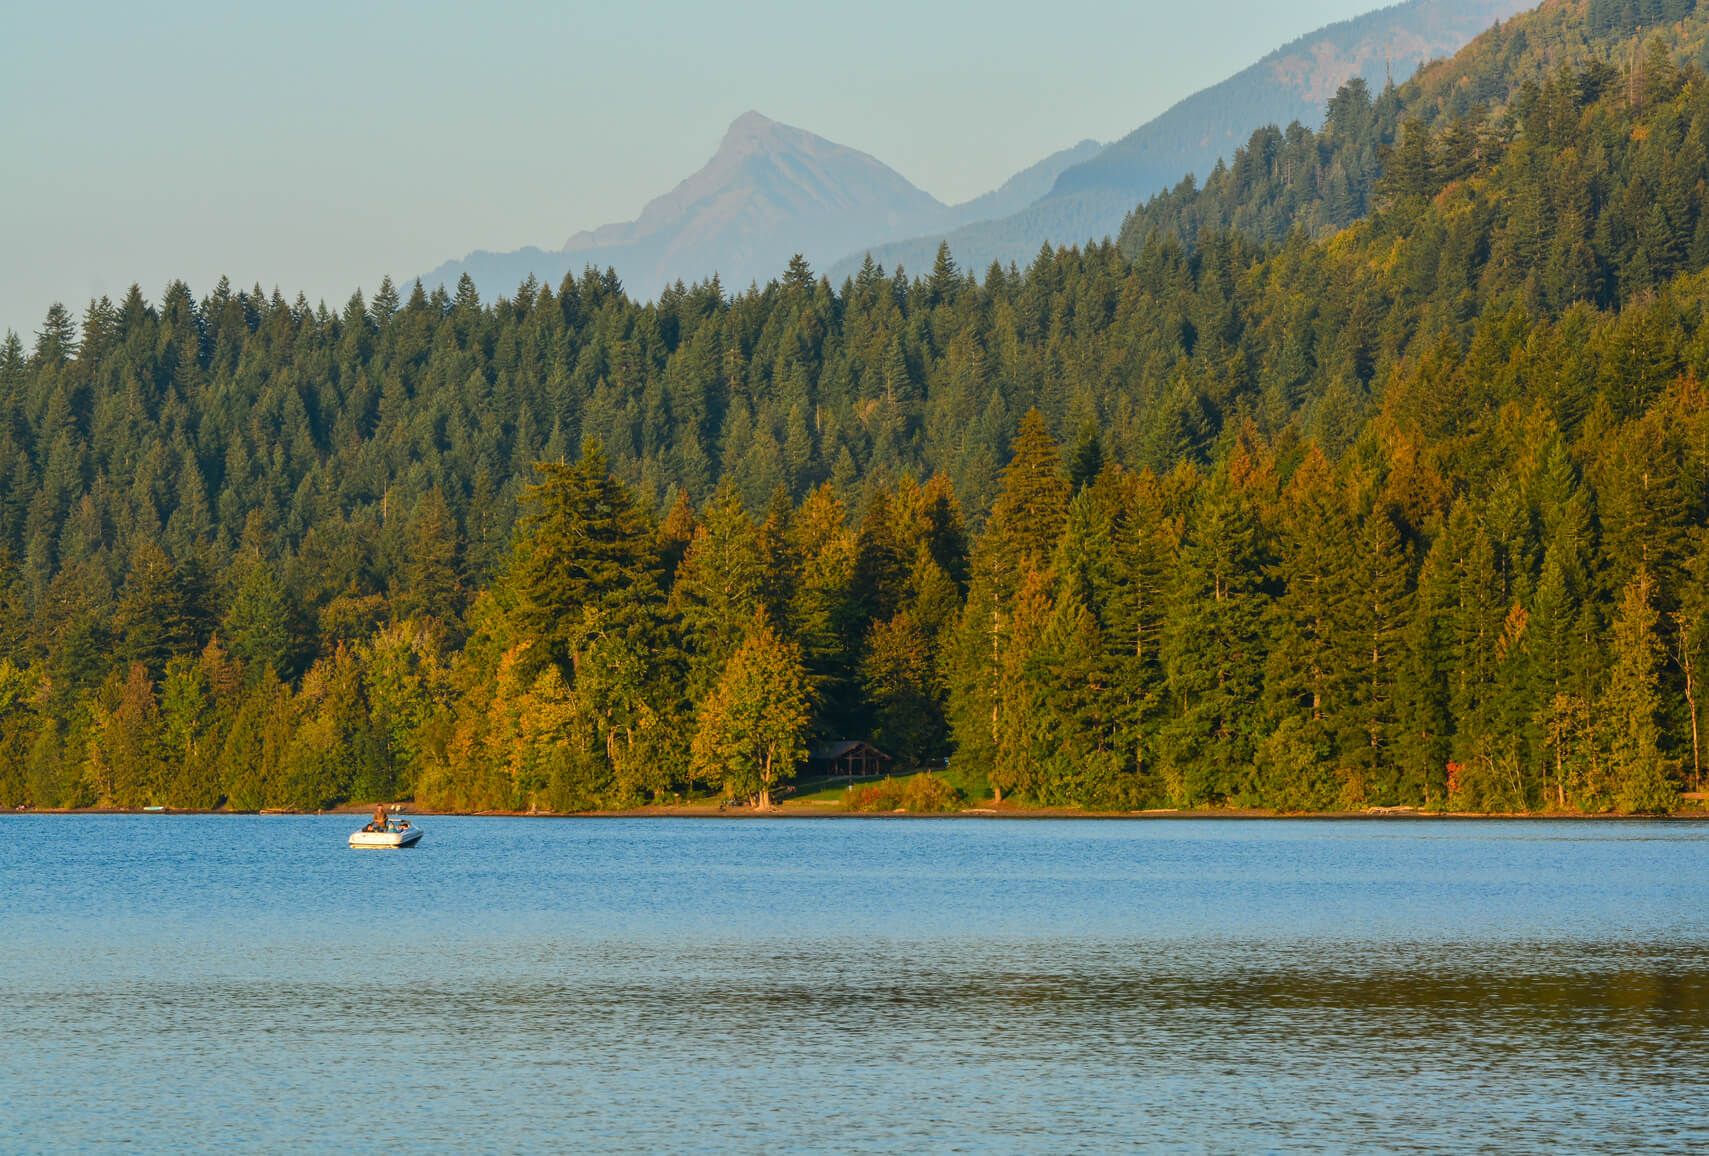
column 1407, row 513
column 1320, row 182
column 1089, row 199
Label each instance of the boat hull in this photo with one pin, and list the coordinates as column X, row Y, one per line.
column 386, row 840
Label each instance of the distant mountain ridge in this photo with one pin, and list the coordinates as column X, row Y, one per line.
column 1023, row 188
column 1088, row 201
column 770, row 191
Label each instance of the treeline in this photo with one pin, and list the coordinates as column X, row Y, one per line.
column 1280, row 631
column 617, row 660
column 1287, row 632
column 267, row 553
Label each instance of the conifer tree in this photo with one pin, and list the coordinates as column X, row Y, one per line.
column 1381, row 607
column 154, row 619
column 585, row 544
column 1027, row 516
column 1213, row 649
column 126, row 763
column 258, row 626
column 675, row 534
column 881, row 560
column 899, row 682
column 1630, row 703
column 719, row 587
column 1017, row 716
column 430, row 578
column 780, row 559
column 970, row 676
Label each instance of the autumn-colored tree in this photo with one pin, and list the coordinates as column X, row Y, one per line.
column 126, row 762
column 751, row 730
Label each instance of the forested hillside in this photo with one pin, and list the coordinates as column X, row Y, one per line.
column 1319, row 182
column 1293, row 83
column 1407, row 513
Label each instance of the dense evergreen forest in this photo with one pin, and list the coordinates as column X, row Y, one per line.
column 1372, row 472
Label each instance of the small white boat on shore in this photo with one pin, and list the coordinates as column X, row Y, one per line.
column 396, row 833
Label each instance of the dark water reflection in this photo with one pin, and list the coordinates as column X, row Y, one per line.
column 180, row 984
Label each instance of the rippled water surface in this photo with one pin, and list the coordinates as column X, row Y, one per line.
column 181, row 983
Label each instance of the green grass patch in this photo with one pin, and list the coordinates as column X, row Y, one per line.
column 819, row 791
column 971, row 781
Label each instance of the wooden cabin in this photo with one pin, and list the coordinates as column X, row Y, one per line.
column 848, row 759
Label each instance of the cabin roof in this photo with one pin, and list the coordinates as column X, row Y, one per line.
column 836, row 750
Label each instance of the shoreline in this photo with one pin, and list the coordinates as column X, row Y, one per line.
column 1005, row 812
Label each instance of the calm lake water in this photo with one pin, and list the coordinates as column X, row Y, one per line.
column 182, row 983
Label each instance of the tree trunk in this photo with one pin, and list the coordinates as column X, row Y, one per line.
column 1688, row 667
column 1696, row 757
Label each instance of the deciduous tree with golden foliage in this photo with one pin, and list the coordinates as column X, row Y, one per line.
column 751, row 730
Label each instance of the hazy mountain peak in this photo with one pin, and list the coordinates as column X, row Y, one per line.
column 752, row 133
column 767, row 182
column 750, row 125
column 770, row 190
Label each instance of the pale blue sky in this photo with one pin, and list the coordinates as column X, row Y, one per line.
column 316, row 145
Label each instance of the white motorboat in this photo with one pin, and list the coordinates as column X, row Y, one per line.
column 396, row 833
